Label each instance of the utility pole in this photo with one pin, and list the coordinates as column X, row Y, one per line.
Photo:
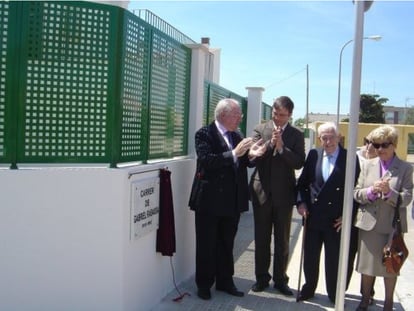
column 307, row 97
column 407, row 99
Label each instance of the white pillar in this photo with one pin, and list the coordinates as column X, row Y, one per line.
column 254, row 108
column 360, row 7
column 216, row 65
column 198, row 69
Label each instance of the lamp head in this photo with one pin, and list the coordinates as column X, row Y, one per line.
column 375, row 37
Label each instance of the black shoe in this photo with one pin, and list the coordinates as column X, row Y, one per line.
column 231, row 291
column 284, row 289
column 361, row 308
column 303, row 296
column 204, row 293
column 259, row 286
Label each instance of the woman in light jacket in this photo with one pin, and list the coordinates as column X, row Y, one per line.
column 380, row 182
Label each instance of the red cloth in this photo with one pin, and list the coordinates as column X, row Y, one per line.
column 166, row 228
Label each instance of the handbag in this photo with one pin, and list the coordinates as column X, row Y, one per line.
column 197, row 190
column 395, row 251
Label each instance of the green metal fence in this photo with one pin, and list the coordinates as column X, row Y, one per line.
column 213, row 93
column 4, row 16
column 85, row 82
column 266, row 112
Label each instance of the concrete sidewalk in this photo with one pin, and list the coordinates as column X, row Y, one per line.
column 271, row 299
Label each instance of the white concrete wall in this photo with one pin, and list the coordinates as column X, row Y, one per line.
column 65, row 240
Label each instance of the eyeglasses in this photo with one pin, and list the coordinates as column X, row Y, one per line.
column 237, row 116
column 278, row 114
column 327, row 137
column 366, row 141
column 383, row 145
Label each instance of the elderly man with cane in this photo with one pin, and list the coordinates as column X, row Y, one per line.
column 320, row 201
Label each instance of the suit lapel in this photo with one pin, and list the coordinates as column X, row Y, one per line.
column 376, row 170
column 219, row 138
column 318, row 173
column 339, row 160
column 267, row 130
column 394, row 169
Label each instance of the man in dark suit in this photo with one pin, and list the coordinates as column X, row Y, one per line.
column 222, row 162
column 272, row 188
column 320, row 200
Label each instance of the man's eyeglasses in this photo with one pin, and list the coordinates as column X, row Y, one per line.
column 236, row 115
column 327, row 137
column 383, row 145
column 278, row 114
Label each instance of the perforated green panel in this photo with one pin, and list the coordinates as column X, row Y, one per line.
column 4, row 17
column 65, row 111
column 215, row 94
column 135, row 89
column 89, row 83
column 169, row 97
column 266, row 112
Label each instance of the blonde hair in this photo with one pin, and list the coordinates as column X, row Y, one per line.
column 385, row 133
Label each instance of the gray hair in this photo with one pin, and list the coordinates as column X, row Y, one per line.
column 224, row 106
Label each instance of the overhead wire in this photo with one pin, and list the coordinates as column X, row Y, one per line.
column 284, row 79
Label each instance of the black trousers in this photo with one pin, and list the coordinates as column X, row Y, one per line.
column 214, row 249
column 268, row 218
column 331, row 240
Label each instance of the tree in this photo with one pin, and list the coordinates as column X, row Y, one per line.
column 371, row 108
column 300, row 122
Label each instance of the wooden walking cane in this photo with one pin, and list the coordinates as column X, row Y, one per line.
column 301, row 257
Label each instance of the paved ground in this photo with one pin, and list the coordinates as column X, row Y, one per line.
column 271, row 299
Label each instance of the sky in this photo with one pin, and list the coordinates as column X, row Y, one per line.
column 271, row 44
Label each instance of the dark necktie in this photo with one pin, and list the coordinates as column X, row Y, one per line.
column 230, row 140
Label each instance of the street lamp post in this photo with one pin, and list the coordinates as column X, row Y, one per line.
column 376, row 38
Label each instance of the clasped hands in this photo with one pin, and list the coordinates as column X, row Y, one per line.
column 381, row 186
column 276, row 140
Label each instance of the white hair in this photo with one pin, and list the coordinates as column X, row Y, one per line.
column 328, row 127
column 225, row 105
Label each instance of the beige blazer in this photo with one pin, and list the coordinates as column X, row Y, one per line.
column 378, row 215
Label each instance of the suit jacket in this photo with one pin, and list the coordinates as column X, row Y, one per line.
column 378, row 215
column 324, row 200
column 275, row 174
column 225, row 191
